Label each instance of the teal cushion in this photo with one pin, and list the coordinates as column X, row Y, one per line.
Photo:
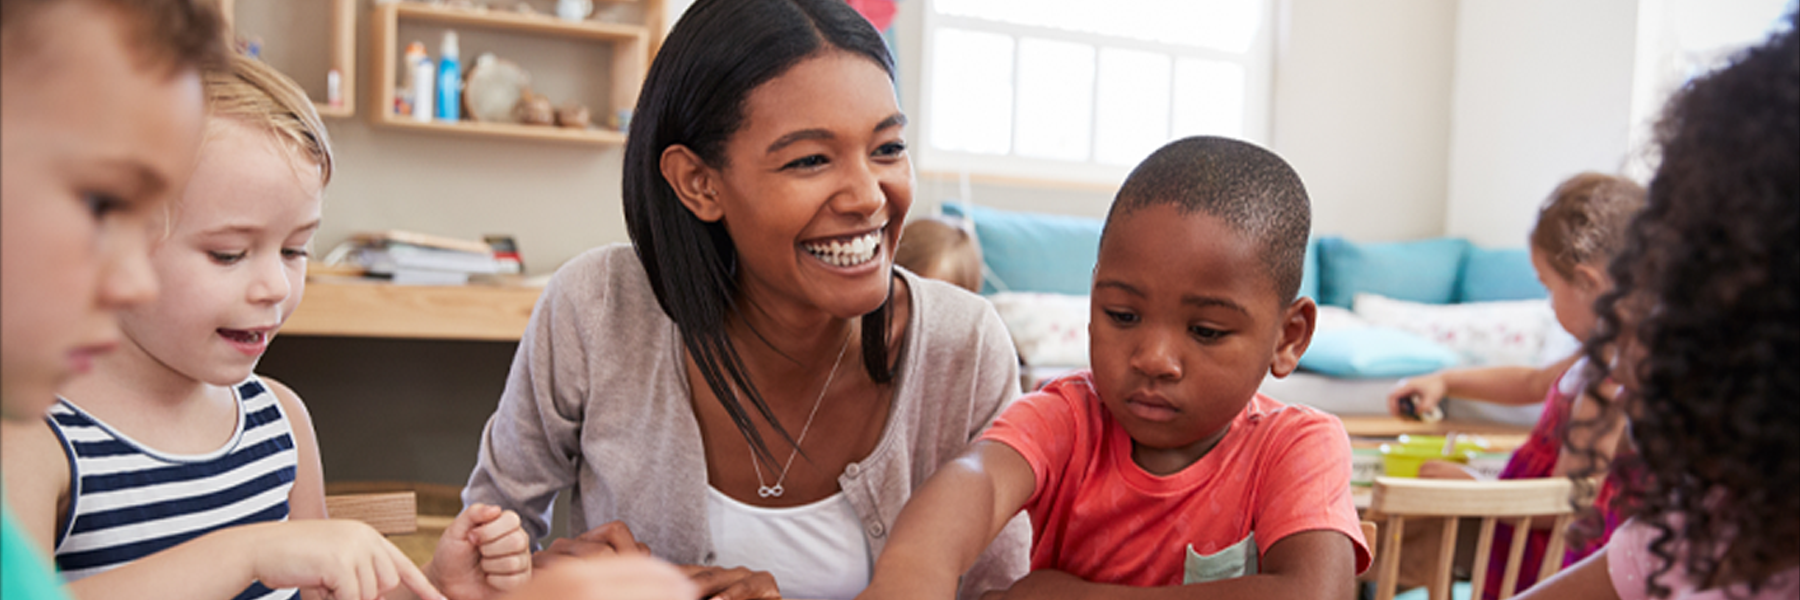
column 1375, row 352
column 1033, row 252
column 1458, row 591
column 1309, row 273
column 1502, row 274
column 1418, row 271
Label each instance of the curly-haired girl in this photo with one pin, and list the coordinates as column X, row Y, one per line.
column 1705, row 311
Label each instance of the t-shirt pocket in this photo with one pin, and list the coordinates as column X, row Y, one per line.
column 1237, row 560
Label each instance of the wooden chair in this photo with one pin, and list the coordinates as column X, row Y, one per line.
column 390, row 513
column 1518, row 501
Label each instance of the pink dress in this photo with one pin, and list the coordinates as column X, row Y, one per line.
column 1630, row 563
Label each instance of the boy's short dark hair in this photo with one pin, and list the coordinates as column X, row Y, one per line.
column 1251, row 189
column 171, row 34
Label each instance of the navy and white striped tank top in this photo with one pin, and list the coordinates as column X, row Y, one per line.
column 127, row 501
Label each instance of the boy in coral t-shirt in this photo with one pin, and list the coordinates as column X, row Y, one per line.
column 1162, row 473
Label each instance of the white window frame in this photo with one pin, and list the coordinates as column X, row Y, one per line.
column 1257, row 62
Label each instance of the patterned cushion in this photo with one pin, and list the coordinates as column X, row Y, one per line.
column 1482, row 333
column 1051, row 330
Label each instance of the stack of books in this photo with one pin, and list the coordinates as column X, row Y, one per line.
column 410, row 258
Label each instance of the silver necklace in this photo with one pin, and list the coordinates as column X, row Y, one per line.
column 763, row 489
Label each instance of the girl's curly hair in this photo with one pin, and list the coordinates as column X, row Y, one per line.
column 1704, row 316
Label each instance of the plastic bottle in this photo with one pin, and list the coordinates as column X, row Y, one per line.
column 449, row 80
column 419, row 81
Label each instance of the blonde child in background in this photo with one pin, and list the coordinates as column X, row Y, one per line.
column 943, row 249
column 1579, row 229
column 1162, row 473
column 99, row 122
column 173, row 450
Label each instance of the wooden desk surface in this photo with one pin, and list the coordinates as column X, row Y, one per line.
column 375, row 309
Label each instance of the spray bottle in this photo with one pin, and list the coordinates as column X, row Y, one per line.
column 449, row 80
column 418, row 80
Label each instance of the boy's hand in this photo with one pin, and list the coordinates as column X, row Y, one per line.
column 606, row 540
column 1428, row 391
column 482, row 553
column 340, row 559
column 608, row 578
column 719, row 583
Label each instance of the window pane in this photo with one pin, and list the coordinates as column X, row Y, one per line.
column 971, row 91
column 1209, row 98
column 1056, row 99
column 1226, row 25
column 1132, row 119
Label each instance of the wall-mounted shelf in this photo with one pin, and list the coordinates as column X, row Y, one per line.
column 629, row 46
column 341, row 49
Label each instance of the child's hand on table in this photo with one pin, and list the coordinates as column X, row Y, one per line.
column 1427, row 391
column 482, row 553
column 339, row 558
column 1041, row 583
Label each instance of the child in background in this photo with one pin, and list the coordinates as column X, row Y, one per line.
column 1579, row 229
column 174, row 450
column 1707, row 325
column 1163, row 466
column 942, row 249
column 99, row 122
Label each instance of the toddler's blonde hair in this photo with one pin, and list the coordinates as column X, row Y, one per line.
column 256, row 95
column 1583, row 222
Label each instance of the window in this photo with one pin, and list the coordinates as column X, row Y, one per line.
column 1084, row 89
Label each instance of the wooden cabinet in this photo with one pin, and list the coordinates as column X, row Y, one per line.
column 628, row 46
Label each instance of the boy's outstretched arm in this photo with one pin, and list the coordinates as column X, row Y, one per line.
column 1318, row 564
column 948, row 523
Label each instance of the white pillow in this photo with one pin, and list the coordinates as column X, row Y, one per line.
column 1051, row 330
column 1510, row 332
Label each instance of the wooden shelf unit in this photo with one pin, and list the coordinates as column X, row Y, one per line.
column 630, row 46
column 342, row 48
column 375, row 309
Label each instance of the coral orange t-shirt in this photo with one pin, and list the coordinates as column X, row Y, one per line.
column 1096, row 514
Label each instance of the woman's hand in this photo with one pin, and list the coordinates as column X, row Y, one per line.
column 739, row 583
column 482, row 553
column 606, row 540
column 1427, row 392
column 608, row 578
column 339, row 559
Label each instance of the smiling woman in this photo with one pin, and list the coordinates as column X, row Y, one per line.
column 699, row 389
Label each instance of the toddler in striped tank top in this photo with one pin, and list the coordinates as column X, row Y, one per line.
column 174, row 453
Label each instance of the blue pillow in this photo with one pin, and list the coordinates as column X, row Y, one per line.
column 1419, row 271
column 1309, row 272
column 1375, row 352
column 1504, row 274
column 1034, row 252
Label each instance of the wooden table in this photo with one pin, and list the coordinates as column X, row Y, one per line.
column 373, row 309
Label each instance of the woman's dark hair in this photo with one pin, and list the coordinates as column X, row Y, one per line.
column 694, row 96
column 1705, row 318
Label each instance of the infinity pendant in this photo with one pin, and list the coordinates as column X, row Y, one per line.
column 767, row 491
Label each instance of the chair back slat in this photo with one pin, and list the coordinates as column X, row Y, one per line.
column 1515, row 556
column 1440, row 581
column 1389, row 554
column 1553, row 552
column 1484, row 548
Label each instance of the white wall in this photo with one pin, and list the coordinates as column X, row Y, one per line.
column 1362, row 111
column 1543, row 90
